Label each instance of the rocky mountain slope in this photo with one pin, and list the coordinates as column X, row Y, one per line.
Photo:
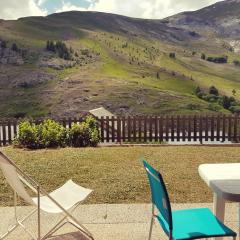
column 130, row 66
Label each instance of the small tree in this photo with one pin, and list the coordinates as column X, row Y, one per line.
column 227, row 102
column 172, row 55
column 48, row 45
column 213, row 90
column 234, row 92
column 236, row 62
column 203, row 56
column 14, row 47
column 198, row 90
column 158, row 75
column 52, row 46
column 3, row 44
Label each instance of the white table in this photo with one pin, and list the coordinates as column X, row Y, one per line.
column 224, row 180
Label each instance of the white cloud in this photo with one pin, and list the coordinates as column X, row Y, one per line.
column 13, row 9
column 67, row 6
column 148, row 8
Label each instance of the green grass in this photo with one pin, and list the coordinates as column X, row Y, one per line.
column 116, row 174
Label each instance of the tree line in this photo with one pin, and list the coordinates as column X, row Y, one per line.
column 60, row 48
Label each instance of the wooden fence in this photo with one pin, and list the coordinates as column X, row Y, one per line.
column 144, row 129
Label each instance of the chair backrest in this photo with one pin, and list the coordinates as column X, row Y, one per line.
column 160, row 196
column 10, row 172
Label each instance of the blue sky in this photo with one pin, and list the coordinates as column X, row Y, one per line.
column 52, row 6
column 153, row 9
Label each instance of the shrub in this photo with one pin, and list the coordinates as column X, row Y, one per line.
column 84, row 134
column 210, row 97
column 60, row 48
column 79, row 135
column 213, row 90
column 236, row 62
column 223, row 59
column 172, row 55
column 14, row 47
column 3, row 44
column 203, row 56
column 214, row 107
column 192, row 106
column 234, row 92
column 52, row 134
column 27, row 135
column 227, row 102
column 235, row 109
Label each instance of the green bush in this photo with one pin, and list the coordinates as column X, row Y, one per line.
column 79, row 135
column 214, row 107
column 210, row 97
column 213, row 90
column 52, row 134
column 28, row 135
column 235, row 109
column 84, row 134
column 172, row 55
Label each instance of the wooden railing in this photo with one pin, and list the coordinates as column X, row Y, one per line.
column 146, row 129
column 170, row 128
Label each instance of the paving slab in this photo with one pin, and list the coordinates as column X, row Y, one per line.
column 105, row 221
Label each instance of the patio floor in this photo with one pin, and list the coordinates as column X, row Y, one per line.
column 106, row 221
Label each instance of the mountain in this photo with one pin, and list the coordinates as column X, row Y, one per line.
column 65, row 63
column 222, row 19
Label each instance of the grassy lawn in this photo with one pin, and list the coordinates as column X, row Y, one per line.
column 116, row 173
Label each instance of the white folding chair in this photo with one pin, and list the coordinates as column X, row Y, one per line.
column 64, row 200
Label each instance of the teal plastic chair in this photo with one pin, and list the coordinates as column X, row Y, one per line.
column 182, row 224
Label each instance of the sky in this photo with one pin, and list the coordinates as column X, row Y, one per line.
column 152, row 9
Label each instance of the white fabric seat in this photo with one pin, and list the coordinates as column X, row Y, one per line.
column 67, row 196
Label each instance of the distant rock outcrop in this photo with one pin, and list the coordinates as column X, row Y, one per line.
column 8, row 56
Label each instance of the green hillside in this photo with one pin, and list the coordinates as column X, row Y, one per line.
column 120, row 63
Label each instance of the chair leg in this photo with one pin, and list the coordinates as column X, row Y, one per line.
column 151, row 227
column 239, row 220
column 18, row 223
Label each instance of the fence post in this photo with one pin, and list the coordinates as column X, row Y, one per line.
column 4, row 133
column 195, row 128
column 102, row 129
column 145, row 129
column 223, row 128
column 229, row 128
column 200, row 129
column 123, row 129
column 161, row 129
column 139, row 128
column 134, row 129
column 206, row 128
column 235, row 129
column 189, row 129
column 119, row 130
column 167, row 128
column 183, row 128
column 107, row 129
column 218, row 127
column 150, row 129
column 129, row 128
column 172, row 129
column 212, row 128
column 113, row 128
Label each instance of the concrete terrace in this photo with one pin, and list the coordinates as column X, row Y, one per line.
column 107, row 221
